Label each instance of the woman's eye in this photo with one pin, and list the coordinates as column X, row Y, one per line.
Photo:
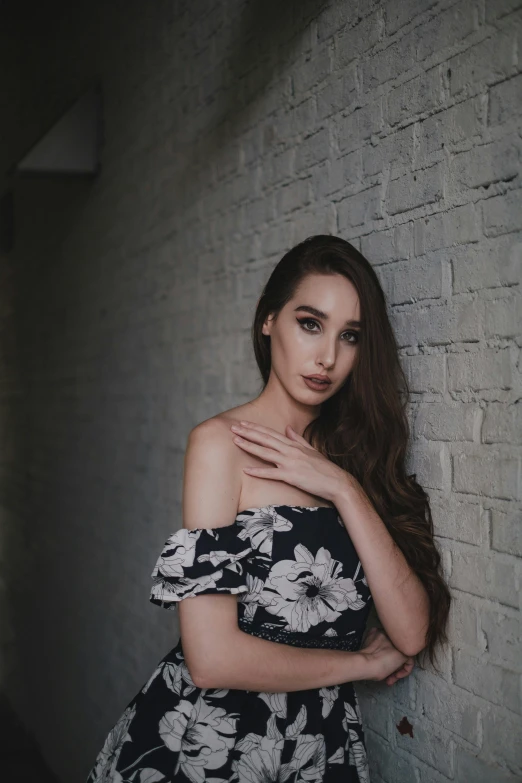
column 353, row 334
column 304, row 321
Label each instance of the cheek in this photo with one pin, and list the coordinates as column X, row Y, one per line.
column 295, row 347
column 349, row 359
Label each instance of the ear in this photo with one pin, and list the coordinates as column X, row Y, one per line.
column 267, row 326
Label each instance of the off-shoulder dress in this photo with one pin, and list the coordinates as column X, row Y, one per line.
column 300, row 582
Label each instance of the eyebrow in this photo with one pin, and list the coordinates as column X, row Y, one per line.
column 320, row 314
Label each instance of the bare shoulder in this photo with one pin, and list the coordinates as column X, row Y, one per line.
column 216, row 429
column 213, row 433
column 212, row 476
column 225, row 418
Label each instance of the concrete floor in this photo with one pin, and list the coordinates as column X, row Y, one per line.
column 20, row 759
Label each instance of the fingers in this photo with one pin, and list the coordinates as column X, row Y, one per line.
column 274, row 474
column 402, row 672
column 264, row 452
column 298, row 438
column 250, row 427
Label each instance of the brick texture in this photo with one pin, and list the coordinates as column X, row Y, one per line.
column 232, row 131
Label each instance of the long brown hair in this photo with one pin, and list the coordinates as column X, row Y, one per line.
column 363, row 428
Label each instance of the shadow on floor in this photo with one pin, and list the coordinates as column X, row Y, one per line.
column 20, row 759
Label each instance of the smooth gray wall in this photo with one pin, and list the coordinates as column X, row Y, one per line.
column 232, row 131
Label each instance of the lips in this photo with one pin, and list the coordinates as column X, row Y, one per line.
column 322, row 378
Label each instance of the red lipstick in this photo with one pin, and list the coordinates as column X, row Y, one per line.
column 317, row 382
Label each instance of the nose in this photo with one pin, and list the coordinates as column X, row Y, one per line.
column 327, row 354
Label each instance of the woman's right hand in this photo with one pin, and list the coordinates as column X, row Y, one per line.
column 385, row 661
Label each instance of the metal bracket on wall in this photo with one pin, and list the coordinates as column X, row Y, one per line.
column 70, row 148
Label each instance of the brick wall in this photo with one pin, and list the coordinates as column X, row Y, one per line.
column 232, row 131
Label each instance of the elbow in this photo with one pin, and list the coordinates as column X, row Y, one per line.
column 201, row 678
column 200, row 675
column 211, row 660
column 207, row 679
column 411, row 649
column 199, row 681
column 208, row 672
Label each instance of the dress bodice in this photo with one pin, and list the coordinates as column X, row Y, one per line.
column 296, row 572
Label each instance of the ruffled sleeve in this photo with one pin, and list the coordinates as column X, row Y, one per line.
column 201, row 560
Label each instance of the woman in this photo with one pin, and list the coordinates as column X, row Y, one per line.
column 297, row 515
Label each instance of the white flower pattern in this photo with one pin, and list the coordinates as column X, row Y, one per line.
column 279, row 561
column 309, row 590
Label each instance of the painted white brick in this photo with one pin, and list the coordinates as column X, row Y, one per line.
column 496, row 9
column 484, row 165
column 503, row 214
column 394, row 151
column 490, row 264
column 447, row 28
column 442, row 324
column 334, row 176
column 314, row 149
column 503, row 634
column 311, row 69
column 430, row 743
column 391, row 244
column 227, row 139
column 351, row 42
column 503, row 740
column 446, row 706
column 471, row 768
column 388, row 63
column 486, row 472
column 425, row 373
column 488, row 61
column 504, row 101
column 455, row 422
column 460, row 521
column 487, row 576
column 414, row 97
column 386, row 764
column 504, row 315
column 359, row 125
column 463, row 620
column 401, row 14
column 490, row 369
column 360, row 208
column 337, row 93
column 496, row 684
column 449, row 127
column 427, row 285
column 506, row 531
column 415, row 190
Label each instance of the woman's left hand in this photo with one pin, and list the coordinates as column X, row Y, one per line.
column 297, row 462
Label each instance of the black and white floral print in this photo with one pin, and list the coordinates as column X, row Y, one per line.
column 299, row 581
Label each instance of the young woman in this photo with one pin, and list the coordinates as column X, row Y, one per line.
column 297, row 516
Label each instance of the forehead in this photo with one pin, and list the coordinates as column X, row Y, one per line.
column 334, row 294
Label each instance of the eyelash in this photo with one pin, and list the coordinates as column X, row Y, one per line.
column 302, row 321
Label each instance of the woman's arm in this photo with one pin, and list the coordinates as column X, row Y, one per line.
column 399, row 596
column 243, row 661
column 217, row 653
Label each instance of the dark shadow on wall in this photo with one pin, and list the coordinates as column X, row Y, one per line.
column 267, row 36
column 20, row 759
column 37, row 281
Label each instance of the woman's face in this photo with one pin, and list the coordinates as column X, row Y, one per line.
column 316, row 333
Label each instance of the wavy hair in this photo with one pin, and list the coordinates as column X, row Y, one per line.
column 363, row 428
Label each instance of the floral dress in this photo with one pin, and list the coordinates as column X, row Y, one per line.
column 299, row 581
